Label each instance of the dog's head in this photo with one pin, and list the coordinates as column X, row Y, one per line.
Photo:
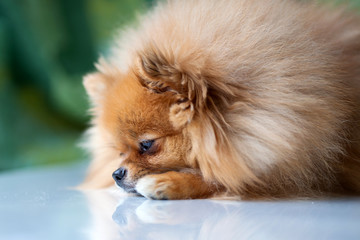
column 145, row 113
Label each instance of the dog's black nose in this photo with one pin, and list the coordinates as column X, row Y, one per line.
column 119, row 174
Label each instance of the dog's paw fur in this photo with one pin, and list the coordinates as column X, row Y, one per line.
column 156, row 187
column 175, row 185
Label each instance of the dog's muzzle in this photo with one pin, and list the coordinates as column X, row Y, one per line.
column 119, row 176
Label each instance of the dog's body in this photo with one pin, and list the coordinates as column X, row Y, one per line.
column 255, row 99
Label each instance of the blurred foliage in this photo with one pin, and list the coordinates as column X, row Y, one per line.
column 46, row 46
column 45, row 49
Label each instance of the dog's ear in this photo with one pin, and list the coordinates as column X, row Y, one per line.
column 162, row 72
column 96, row 85
column 181, row 112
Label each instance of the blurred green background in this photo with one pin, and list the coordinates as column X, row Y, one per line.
column 46, row 46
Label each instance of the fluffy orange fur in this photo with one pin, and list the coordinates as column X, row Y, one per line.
column 248, row 99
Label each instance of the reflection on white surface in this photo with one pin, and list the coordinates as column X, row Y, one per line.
column 36, row 204
column 207, row 219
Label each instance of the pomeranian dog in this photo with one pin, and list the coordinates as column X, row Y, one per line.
column 229, row 98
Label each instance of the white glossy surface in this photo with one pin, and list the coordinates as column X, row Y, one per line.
column 36, row 204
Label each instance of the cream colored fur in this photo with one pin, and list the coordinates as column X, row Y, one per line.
column 274, row 85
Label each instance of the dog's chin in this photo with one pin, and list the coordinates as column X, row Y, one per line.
column 127, row 188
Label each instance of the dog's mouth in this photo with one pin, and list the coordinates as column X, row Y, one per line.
column 122, row 180
column 129, row 188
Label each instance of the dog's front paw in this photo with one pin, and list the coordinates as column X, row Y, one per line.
column 175, row 185
column 157, row 187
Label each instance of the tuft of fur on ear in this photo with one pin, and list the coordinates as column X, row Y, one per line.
column 181, row 113
column 177, row 71
column 190, row 74
column 96, row 84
